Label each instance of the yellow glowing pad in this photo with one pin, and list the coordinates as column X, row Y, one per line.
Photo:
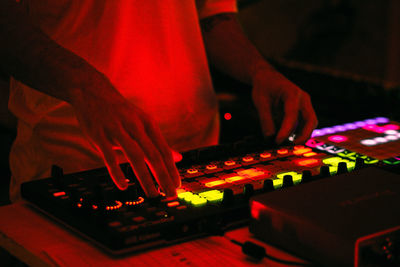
column 333, row 170
column 210, row 193
column 277, row 183
column 199, row 201
column 184, row 195
column 334, row 161
column 281, row 175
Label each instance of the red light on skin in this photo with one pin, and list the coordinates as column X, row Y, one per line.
column 307, row 162
column 176, row 156
column 227, row 116
column 337, row 138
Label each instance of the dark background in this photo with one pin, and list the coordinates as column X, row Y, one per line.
column 346, row 54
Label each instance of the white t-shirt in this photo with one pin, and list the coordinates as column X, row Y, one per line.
column 152, row 52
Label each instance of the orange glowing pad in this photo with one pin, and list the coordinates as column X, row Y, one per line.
column 308, row 162
column 302, row 151
column 235, row 179
column 229, row 163
column 282, row 151
column 215, row 183
column 253, row 174
column 265, row 155
column 309, row 154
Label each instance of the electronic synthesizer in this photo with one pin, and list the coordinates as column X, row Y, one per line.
column 217, row 183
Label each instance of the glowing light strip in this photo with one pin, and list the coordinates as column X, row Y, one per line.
column 348, row 126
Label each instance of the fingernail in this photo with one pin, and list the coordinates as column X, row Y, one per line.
column 176, row 156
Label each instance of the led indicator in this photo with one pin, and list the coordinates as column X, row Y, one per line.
column 282, row 151
column 229, row 163
column 227, row 116
column 265, row 155
column 317, row 133
column 140, row 200
column 380, row 140
column 59, row 194
column 381, row 120
column 337, row 138
column 247, row 159
column 391, row 132
column 192, row 171
column 211, row 167
column 173, row 204
column 360, row 123
column 391, row 127
column 391, row 138
column 368, row 142
column 350, row 126
column 339, row 128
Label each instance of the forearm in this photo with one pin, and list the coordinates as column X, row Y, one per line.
column 229, row 50
column 33, row 58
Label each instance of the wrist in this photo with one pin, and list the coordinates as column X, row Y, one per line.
column 261, row 69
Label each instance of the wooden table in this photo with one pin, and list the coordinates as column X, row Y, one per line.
column 39, row 241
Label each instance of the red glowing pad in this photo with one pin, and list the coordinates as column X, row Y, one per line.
column 337, row 138
column 308, row 162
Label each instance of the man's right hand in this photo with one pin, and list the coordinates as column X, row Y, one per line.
column 109, row 121
column 112, row 123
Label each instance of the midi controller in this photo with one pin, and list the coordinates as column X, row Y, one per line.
column 217, row 183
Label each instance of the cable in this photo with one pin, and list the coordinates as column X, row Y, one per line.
column 258, row 252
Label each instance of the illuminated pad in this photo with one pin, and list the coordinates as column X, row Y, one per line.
column 253, row 174
column 215, row 183
column 377, row 139
column 295, row 176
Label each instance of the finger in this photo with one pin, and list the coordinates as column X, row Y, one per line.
column 135, row 156
column 155, row 162
column 176, row 156
column 267, row 121
column 291, row 110
column 310, row 120
column 159, row 141
column 109, row 157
